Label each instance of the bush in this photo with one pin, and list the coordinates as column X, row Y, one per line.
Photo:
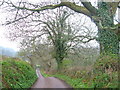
column 106, row 64
column 17, row 74
column 106, row 72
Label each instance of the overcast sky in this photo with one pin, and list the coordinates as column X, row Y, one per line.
column 14, row 45
column 5, row 42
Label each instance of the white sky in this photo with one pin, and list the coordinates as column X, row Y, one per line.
column 5, row 42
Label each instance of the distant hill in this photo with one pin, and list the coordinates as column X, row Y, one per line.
column 7, row 51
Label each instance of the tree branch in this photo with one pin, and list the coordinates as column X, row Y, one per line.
column 115, row 29
column 71, row 5
column 39, row 9
column 10, row 22
column 113, row 7
column 82, row 36
column 89, row 7
column 2, row 2
column 77, row 8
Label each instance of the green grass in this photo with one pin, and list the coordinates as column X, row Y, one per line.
column 17, row 74
column 74, row 82
column 104, row 74
column 96, row 82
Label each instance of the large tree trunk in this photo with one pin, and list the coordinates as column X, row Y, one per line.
column 108, row 39
column 109, row 43
column 60, row 51
column 59, row 68
column 59, row 58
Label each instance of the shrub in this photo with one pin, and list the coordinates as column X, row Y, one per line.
column 17, row 74
column 106, row 64
column 106, row 72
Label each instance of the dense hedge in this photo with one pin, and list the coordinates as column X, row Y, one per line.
column 103, row 75
column 106, row 72
column 17, row 74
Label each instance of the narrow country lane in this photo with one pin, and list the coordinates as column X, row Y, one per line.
column 50, row 82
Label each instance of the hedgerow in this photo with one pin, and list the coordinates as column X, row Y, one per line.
column 17, row 74
column 104, row 74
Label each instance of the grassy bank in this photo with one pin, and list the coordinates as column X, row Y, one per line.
column 74, row 82
column 17, row 73
column 103, row 75
column 95, row 82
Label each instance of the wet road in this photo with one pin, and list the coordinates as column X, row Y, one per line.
column 50, row 82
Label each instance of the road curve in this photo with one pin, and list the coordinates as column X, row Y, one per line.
column 49, row 82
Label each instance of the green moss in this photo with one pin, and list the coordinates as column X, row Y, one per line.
column 17, row 74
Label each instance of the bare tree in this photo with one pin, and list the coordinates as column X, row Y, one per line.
column 102, row 16
column 60, row 34
column 38, row 55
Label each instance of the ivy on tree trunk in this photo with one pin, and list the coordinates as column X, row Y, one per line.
column 109, row 42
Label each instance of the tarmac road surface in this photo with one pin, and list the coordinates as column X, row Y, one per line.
column 49, row 82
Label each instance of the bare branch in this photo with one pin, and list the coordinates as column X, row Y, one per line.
column 1, row 3
column 82, row 36
column 71, row 5
column 39, row 9
column 10, row 22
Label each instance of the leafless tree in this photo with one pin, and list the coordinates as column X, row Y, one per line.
column 99, row 14
column 59, row 33
column 33, row 27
